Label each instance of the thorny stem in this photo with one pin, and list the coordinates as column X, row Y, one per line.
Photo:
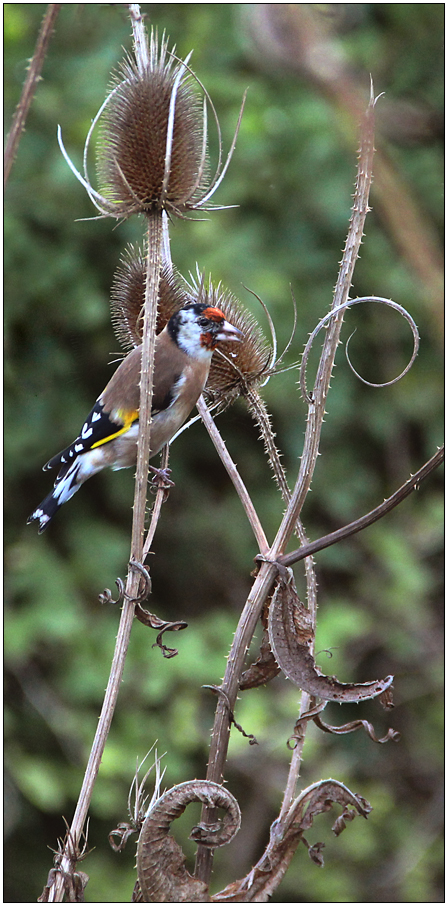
column 155, row 512
column 68, row 864
column 153, row 265
column 238, row 483
column 352, row 528
column 316, row 411
column 259, row 411
column 133, row 578
column 21, row 112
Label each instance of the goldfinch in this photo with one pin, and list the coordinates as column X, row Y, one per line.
column 183, row 354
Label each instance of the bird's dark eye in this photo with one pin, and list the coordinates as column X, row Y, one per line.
column 203, row 322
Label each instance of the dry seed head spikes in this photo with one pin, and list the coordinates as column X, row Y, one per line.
column 242, row 365
column 127, row 299
column 151, row 151
column 152, row 148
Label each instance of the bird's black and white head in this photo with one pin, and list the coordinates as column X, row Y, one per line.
column 198, row 328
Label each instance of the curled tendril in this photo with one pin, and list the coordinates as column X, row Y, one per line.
column 106, row 596
column 405, row 314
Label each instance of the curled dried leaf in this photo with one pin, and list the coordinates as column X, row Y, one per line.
column 386, row 699
column 358, row 725
column 341, row 823
column 162, row 876
column 291, row 636
column 266, row 875
column 154, row 622
column 219, row 691
column 122, row 832
column 263, row 669
column 315, row 853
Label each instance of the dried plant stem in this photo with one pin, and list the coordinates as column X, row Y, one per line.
column 21, row 112
column 316, row 411
column 153, row 265
column 412, row 484
column 232, row 470
column 154, row 239
column 294, row 767
column 259, row 411
column 155, row 512
column 68, row 863
column 140, row 37
column 257, row 407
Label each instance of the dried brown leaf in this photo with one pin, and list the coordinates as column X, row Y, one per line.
column 263, row 669
column 291, row 636
column 266, row 875
column 162, row 876
column 358, row 725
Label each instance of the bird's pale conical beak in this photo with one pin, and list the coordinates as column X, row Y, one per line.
column 228, row 332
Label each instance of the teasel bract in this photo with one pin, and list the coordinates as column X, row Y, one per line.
column 152, row 145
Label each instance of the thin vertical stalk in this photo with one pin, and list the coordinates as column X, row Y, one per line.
column 316, row 411
column 154, row 239
column 21, row 112
column 153, row 265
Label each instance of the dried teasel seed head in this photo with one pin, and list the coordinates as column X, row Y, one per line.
column 243, row 365
column 127, row 299
column 151, row 149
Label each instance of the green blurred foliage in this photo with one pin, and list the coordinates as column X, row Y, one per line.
column 380, row 593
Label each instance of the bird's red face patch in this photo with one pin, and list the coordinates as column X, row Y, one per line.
column 216, row 316
column 215, row 328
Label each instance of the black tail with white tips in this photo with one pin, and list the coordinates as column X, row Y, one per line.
column 64, row 488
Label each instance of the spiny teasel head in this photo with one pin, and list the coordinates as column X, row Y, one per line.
column 152, row 146
column 127, row 300
column 243, row 366
column 150, row 151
